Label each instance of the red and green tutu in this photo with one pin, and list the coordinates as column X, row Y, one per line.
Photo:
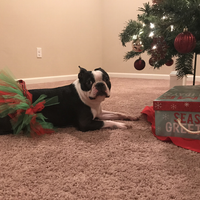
column 16, row 102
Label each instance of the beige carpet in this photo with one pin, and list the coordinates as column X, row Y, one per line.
column 104, row 164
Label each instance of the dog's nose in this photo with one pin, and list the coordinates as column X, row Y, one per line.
column 100, row 86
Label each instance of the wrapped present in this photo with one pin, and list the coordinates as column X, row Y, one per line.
column 177, row 113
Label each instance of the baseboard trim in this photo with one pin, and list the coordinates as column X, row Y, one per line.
column 49, row 79
column 141, row 76
column 149, row 76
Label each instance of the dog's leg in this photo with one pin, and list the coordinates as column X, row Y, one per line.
column 108, row 115
column 5, row 126
column 98, row 124
column 105, row 121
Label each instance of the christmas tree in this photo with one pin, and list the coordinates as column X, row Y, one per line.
column 166, row 29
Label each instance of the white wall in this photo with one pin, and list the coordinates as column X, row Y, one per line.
column 70, row 32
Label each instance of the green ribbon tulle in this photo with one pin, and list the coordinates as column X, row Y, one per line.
column 15, row 103
column 23, row 121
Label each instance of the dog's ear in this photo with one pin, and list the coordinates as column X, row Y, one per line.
column 98, row 69
column 82, row 72
column 82, row 69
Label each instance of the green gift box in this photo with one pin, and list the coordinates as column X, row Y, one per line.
column 181, row 103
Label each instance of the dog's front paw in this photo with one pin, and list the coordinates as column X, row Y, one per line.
column 121, row 125
column 115, row 125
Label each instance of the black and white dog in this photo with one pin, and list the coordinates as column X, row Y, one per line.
column 79, row 104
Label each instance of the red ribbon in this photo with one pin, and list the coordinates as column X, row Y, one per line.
column 34, row 109
column 26, row 93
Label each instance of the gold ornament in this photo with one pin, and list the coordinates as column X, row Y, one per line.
column 137, row 46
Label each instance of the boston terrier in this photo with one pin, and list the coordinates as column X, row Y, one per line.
column 79, row 104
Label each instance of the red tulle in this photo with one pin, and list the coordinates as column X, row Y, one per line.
column 16, row 102
column 36, row 128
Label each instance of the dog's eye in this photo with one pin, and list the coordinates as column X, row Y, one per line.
column 106, row 79
column 89, row 83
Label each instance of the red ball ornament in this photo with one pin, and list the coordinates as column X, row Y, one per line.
column 156, row 1
column 139, row 64
column 152, row 61
column 169, row 62
column 185, row 42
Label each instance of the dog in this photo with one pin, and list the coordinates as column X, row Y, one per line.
column 79, row 104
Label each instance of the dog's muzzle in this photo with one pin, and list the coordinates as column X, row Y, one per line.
column 99, row 89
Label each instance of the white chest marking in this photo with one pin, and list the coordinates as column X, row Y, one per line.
column 95, row 105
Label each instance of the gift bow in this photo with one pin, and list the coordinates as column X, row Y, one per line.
column 34, row 109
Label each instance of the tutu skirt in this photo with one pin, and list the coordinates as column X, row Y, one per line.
column 16, row 102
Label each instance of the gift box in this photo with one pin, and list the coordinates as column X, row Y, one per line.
column 177, row 112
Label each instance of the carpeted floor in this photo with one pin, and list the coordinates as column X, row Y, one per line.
column 104, row 164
